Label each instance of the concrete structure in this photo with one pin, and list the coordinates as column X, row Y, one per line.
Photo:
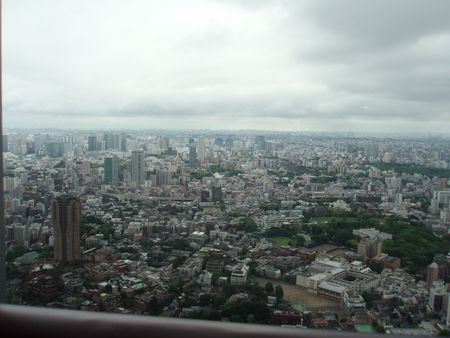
column 193, row 159
column 372, row 233
column 239, row 276
column 137, row 167
column 353, row 301
column 216, row 192
column 432, row 274
column 92, row 143
column 438, row 301
column 66, row 214
column 111, row 170
column 317, row 272
column 201, row 149
column 331, row 290
column 356, row 281
column 387, row 261
column 370, row 247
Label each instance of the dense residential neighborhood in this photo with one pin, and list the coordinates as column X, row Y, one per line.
column 290, row 229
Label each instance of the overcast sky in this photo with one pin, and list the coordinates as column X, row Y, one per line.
column 284, row 65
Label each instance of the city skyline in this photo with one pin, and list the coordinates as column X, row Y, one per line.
column 208, row 65
column 268, row 228
column 271, row 162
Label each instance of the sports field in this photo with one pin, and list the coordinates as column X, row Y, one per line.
column 297, row 295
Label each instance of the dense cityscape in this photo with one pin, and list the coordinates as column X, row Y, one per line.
column 301, row 230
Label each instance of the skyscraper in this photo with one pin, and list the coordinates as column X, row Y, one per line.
column 216, row 192
column 137, row 167
column 123, row 143
column 218, row 141
column 201, row 149
column 111, row 173
column 260, row 142
column 92, row 143
column 54, row 148
column 66, row 215
column 259, row 139
column 5, row 143
column 68, row 139
column 432, row 274
column 192, row 155
column 109, row 140
column 164, row 143
column 443, row 266
column 117, row 141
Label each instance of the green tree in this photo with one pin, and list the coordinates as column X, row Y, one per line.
column 236, row 318
column 444, row 333
column 247, row 224
column 352, row 243
column 214, row 278
column 178, row 261
column 125, row 302
column 240, row 311
column 87, row 283
column 204, row 299
column 251, row 318
column 376, row 267
column 16, row 251
column 269, row 288
column 252, row 267
column 154, row 307
column 279, row 293
column 299, row 241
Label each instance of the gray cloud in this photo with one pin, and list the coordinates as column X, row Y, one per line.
column 317, row 65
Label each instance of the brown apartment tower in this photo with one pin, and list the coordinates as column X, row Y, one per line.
column 66, row 215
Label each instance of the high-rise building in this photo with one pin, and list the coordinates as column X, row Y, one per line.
column 443, row 266
column 68, row 139
column 164, row 143
column 111, row 172
column 229, row 142
column 66, row 217
column 123, row 143
column 31, row 148
column 260, row 142
column 5, row 143
column 54, row 148
column 137, row 167
column 117, row 141
column 21, row 234
column 388, row 157
column 432, row 274
column 372, row 151
column 216, row 193
column 161, row 178
column 218, row 141
column 92, row 143
column 193, row 155
column 448, row 309
column 201, row 149
column 438, row 297
column 259, row 139
column 204, row 196
column 109, row 140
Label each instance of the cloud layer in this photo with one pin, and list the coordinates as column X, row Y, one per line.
column 312, row 65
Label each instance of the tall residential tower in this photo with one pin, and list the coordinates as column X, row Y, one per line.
column 66, row 217
column 137, row 167
column 111, row 173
